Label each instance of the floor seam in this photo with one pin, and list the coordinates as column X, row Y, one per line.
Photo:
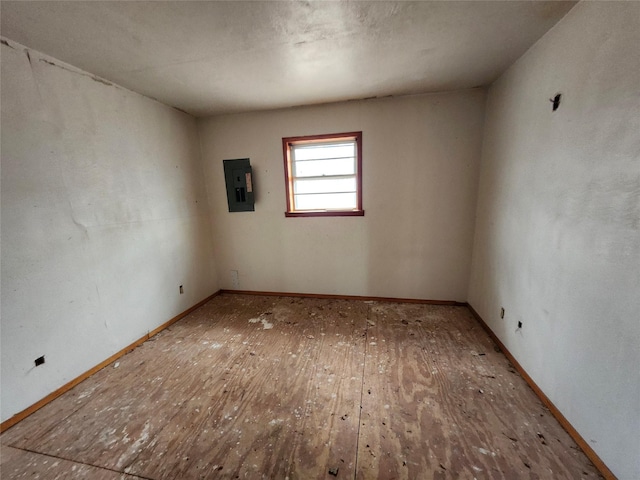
column 82, row 463
column 58, row 422
column 364, row 363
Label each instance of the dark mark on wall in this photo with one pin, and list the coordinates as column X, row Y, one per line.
column 180, row 110
column 28, row 56
column 92, row 77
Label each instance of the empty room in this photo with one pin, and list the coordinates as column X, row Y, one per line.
column 320, row 239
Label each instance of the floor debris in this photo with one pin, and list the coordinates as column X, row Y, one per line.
column 207, row 399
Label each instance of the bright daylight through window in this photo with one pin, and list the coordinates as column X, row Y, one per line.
column 324, row 174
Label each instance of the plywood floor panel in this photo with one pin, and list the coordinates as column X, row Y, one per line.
column 442, row 403
column 273, row 368
column 278, row 387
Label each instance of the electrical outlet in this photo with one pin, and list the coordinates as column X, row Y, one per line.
column 181, row 290
column 39, row 361
column 501, row 312
column 235, row 279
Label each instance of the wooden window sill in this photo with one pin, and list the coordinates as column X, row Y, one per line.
column 326, row 213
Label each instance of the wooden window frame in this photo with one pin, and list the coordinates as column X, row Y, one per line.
column 288, row 175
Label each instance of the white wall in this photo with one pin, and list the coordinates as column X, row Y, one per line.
column 557, row 234
column 420, row 170
column 103, row 217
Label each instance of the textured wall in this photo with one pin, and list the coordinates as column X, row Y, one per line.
column 103, row 217
column 557, row 240
column 420, row 171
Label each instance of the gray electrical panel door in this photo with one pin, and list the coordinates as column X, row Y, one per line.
column 237, row 175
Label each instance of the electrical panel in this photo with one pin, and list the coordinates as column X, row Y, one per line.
column 237, row 175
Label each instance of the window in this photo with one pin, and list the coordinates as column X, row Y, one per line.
column 323, row 175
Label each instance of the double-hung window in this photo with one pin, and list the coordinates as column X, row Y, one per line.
column 323, row 175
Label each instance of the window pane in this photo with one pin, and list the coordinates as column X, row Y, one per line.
column 327, row 201
column 320, row 185
column 319, row 168
column 322, row 173
column 316, row 152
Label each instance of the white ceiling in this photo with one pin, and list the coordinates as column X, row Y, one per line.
column 214, row 57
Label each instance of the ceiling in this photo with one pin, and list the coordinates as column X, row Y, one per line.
column 216, row 57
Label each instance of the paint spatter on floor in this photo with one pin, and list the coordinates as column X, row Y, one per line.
column 265, row 324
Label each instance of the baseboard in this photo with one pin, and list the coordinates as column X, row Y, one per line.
column 68, row 386
column 347, row 297
column 582, row 443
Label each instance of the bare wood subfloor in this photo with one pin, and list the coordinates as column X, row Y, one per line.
column 278, row 387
